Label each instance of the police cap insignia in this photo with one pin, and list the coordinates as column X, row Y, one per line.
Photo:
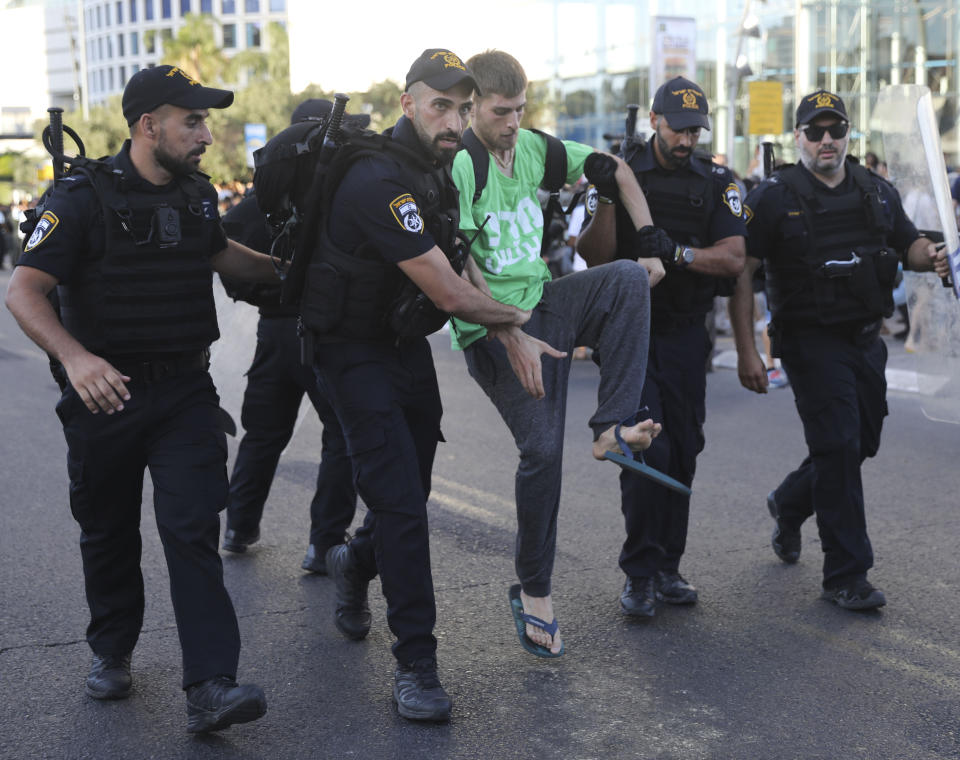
column 683, row 104
column 440, row 69
column 405, row 211
column 153, row 87
column 44, row 229
column 818, row 103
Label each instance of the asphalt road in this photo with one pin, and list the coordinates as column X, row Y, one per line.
column 760, row 668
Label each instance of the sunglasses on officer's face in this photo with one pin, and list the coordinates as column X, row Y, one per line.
column 815, row 132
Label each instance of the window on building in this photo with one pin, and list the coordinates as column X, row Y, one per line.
column 166, row 34
column 278, row 5
column 110, row 48
column 106, row 14
column 253, row 35
column 148, row 10
column 120, row 51
column 206, row 6
column 166, row 10
column 111, row 86
column 229, row 35
column 122, row 72
column 134, row 68
column 185, row 7
column 119, row 11
column 99, row 48
column 99, row 17
column 228, row 6
column 251, row 6
column 133, row 10
column 134, row 43
column 150, row 43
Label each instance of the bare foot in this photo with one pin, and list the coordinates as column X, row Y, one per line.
column 541, row 607
column 638, row 437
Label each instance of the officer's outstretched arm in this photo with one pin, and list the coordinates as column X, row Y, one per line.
column 243, row 263
column 725, row 258
column 432, row 273
column 96, row 381
column 750, row 366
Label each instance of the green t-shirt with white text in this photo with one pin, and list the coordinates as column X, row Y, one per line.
column 508, row 248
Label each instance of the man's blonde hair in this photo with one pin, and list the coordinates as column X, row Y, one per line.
column 498, row 73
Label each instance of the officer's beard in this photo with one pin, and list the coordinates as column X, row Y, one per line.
column 674, row 158
column 431, row 143
column 178, row 167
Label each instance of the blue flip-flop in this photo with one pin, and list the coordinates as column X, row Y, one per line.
column 520, row 618
column 627, row 461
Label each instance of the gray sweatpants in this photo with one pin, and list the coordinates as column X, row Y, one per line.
column 608, row 309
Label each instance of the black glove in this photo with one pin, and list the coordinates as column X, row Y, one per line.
column 600, row 170
column 654, row 243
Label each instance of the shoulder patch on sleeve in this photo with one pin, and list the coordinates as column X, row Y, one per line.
column 747, row 213
column 731, row 197
column 405, row 211
column 44, row 229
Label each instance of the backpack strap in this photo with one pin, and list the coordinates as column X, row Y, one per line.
column 481, row 161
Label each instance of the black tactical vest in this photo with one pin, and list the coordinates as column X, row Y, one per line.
column 832, row 264
column 150, row 291
column 357, row 295
column 681, row 202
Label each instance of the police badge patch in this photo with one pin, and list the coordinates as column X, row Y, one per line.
column 731, row 196
column 405, row 211
column 45, row 227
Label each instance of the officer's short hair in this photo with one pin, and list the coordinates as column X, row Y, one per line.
column 498, row 72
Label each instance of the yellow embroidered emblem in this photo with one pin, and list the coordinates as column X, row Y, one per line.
column 45, row 227
column 450, row 60
column 175, row 71
column 690, row 100
column 825, row 100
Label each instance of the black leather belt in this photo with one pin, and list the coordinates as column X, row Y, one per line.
column 150, row 371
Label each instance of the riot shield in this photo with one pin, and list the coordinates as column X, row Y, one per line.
column 905, row 116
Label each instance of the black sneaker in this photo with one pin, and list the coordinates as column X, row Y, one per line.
column 673, row 588
column 639, row 597
column 858, row 594
column 237, row 541
column 220, row 702
column 418, row 693
column 785, row 541
column 314, row 561
column 109, row 677
column 353, row 612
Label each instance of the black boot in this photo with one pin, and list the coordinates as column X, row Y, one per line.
column 639, row 597
column 220, row 702
column 314, row 561
column 237, row 541
column 785, row 540
column 353, row 612
column 418, row 693
column 109, row 677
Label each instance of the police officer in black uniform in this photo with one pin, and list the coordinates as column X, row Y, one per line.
column 392, row 221
column 696, row 244
column 276, row 382
column 829, row 234
column 130, row 243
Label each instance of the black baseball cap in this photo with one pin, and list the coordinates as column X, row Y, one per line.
column 319, row 109
column 683, row 103
column 820, row 102
column 440, row 69
column 156, row 86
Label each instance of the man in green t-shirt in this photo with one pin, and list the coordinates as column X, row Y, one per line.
column 606, row 308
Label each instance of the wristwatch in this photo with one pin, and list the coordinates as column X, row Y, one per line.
column 684, row 256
